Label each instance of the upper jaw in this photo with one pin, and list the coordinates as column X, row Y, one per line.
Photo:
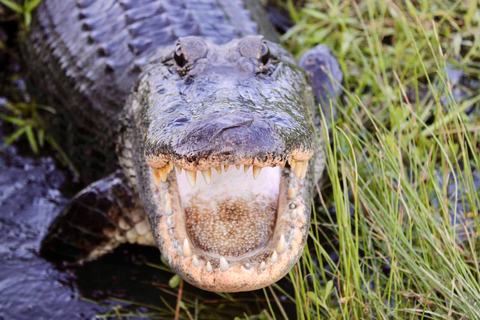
column 238, row 137
column 162, row 164
column 254, row 270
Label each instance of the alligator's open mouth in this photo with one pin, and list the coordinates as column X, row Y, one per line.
column 238, row 228
column 204, row 109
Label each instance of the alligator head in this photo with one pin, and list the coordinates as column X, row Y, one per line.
column 240, row 115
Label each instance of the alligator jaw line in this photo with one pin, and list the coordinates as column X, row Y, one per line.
column 250, row 269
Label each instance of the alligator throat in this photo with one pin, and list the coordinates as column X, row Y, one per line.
column 232, row 215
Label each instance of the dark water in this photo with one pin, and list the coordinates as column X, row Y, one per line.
column 32, row 288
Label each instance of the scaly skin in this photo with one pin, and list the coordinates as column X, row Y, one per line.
column 227, row 107
column 84, row 57
column 222, row 94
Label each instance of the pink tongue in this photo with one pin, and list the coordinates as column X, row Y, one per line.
column 232, row 215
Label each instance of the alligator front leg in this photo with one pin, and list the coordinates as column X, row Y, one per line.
column 326, row 77
column 102, row 216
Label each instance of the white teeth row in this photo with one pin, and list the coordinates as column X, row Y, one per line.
column 224, row 265
column 274, row 257
column 195, row 261
column 160, row 175
column 281, row 247
column 191, row 177
column 168, row 204
column 299, row 167
column 207, row 174
column 186, row 250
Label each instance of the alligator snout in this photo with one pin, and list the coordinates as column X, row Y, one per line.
column 238, row 133
column 230, row 121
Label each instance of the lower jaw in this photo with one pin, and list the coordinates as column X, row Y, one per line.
column 251, row 271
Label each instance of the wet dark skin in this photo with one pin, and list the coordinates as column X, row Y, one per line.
column 215, row 95
column 245, row 99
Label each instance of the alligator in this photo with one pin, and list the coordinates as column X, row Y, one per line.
column 172, row 90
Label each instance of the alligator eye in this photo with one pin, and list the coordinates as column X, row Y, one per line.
column 179, row 57
column 264, row 53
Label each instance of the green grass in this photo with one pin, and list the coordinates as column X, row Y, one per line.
column 400, row 256
column 24, row 9
column 28, row 119
column 400, row 146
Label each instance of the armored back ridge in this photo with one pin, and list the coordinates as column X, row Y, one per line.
column 86, row 55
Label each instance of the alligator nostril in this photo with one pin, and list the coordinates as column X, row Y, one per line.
column 228, row 132
column 180, row 122
column 245, row 122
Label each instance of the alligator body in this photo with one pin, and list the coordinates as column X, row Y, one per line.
column 93, row 53
column 184, row 89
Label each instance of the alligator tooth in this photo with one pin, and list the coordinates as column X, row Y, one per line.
column 131, row 236
column 170, row 166
column 282, row 164
column 263, row 266
column 170, row 232
column 274, row 257
column 247, row 265
column 209, row 267
column 224, row 264
column 290, row 160
column 219, row 169
column 292, row 193
column 141, row 240
column 195, row 261
column 179, row 169
column 191, row 177
column 298, row 169
column 304, row 169
column 170, row 222
column 293, row 215
column 226, row 167
column 187, row 252
column 163, row 173
column 207, row 175
column 149, row 237
column 237, row 166
column 281, row 247
column 156, row 176
column 123, row 224
column 256, row 171
column 168, row 204
column 119, row 237
column 293, row 166
column 245, row 168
